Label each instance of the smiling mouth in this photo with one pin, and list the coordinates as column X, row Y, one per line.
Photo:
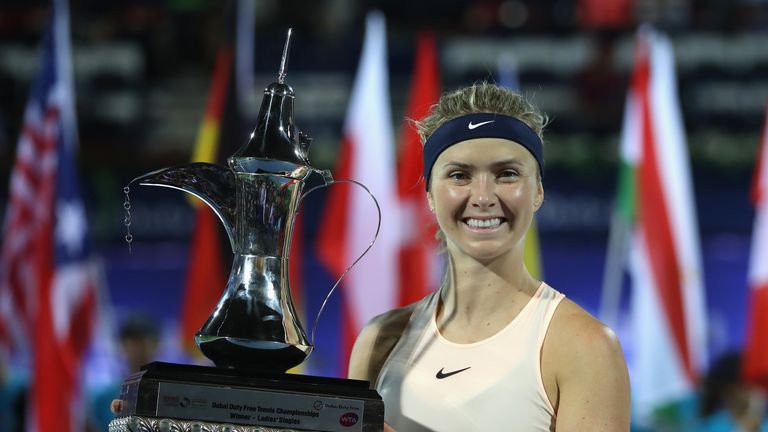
column 483, row 224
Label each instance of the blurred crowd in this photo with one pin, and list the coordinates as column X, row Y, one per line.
column 142, row 68
column 138, row 339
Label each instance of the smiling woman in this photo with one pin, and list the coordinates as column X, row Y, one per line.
column 494, row 348
column 484, row 193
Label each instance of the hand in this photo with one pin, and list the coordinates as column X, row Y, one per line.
column 116, row 406
column 388, row 428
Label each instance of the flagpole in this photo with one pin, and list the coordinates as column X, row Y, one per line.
column 616, row 258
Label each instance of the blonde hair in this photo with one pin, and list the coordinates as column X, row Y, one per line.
column 478, row 98
column 483, row 97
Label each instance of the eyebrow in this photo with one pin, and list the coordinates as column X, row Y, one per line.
column 497, row 164
column 506, row 162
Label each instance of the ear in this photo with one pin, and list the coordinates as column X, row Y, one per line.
column 430, row 202
column 539, row 197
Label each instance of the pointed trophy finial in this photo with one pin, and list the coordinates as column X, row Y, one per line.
column 275, row 136
column 284, row 60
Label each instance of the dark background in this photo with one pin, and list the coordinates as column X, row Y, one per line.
column 143, row 68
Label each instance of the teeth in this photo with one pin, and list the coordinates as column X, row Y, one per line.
column 487, row 223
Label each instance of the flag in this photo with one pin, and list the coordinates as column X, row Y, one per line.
column 667, row 308
column 755, row 365
column 418, row 246
column 48, row 285
column 221, row 132
column 206, row 277
column 508, row 78
column 349, row 219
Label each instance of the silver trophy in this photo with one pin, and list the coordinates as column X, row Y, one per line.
column 253, row 335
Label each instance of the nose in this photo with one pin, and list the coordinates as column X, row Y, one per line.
column 483, row 193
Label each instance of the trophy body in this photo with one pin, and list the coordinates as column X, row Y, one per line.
column 257, row 292
column 253, row 335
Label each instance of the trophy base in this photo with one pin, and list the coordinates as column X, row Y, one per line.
column 176, row 397
column 151, row 424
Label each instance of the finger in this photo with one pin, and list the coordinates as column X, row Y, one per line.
column 116, row 406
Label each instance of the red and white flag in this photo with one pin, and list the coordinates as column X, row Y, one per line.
column 418, row 246
column 47, row 282
column 349, row 220
column 668, row 318
column 756, row 347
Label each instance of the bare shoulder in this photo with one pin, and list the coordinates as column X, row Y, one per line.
column 375, row 342
column 585, row 359
column 577, row 331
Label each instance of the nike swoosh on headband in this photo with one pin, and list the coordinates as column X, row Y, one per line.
column 441, row 375
column 471, row 126
column 467, row 127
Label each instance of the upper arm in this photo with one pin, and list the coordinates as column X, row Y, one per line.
column 360, row 360
column 375, row 342
column 592, row 377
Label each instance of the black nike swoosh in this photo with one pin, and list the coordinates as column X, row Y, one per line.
column 441, row 375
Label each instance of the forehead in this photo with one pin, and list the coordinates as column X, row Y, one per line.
column 480, row 151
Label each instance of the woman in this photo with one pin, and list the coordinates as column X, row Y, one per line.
column 494, row 348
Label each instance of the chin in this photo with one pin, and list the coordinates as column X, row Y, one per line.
column 485, row 254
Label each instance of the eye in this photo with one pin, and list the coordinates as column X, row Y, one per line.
column 509, row 174
column 458, row 176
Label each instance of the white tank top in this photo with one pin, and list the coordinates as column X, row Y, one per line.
column 431, row 384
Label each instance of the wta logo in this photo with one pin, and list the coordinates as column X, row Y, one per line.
column 348, row 419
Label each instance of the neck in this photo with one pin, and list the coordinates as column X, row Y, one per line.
column 475, row 291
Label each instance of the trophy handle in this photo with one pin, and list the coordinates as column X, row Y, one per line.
column 329, row 181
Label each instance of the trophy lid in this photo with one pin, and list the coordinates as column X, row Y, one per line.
column 275, row 136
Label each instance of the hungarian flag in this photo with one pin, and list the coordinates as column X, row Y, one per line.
column 350, row 217
column 756, row 351
column 48, row 282
column 206, row 277
column 418, row 246
column 656, row 199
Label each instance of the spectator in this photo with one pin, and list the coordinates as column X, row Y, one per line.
column 139, row 340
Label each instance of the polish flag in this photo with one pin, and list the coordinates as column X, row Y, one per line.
column 350, row 218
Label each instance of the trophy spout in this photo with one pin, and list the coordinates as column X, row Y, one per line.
column 213, row 184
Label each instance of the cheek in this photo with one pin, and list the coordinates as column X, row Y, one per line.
column 523, row 196
column 520, row 198
column 445, row 208
column 447, row 201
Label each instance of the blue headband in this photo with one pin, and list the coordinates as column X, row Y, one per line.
column 481, row 125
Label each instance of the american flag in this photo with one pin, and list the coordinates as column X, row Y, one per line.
column 47, row 283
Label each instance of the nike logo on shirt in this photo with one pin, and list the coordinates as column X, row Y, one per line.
column 440, row 374
column 471, row 126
